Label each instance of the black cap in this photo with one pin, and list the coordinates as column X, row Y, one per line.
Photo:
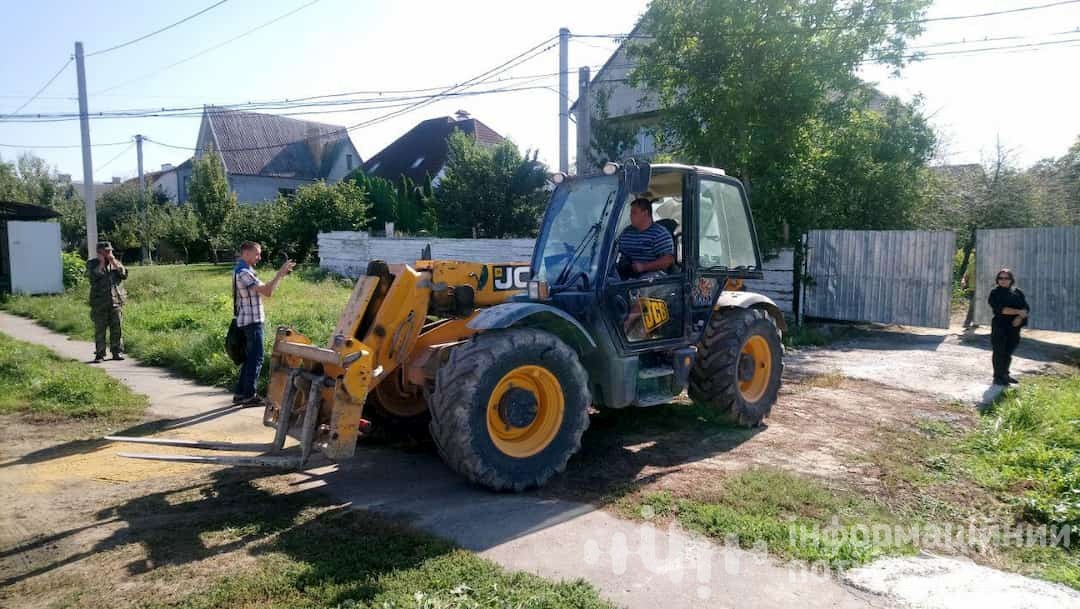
column 104, row 245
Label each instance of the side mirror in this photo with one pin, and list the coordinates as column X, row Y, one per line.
column 639, row 175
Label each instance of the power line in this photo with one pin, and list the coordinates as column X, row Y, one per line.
column 109, row 162
column 383, row 101
column 44, row 86
column 1021, row 9
column 158, row 31
column 63, row 146
column 518, row 59
column 207, row 50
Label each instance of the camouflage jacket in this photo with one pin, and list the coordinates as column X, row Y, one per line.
column 106, row 287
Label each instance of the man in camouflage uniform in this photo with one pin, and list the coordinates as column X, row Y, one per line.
column 107, row 298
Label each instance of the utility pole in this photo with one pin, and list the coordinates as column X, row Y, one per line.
column 87, row 163
column 564, row 96
column 584, row 121
column 143, row 203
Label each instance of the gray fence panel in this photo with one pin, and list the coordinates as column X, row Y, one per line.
column 1046, row 262
column 899, row 277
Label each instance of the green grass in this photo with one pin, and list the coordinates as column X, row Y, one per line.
column 176, row 316
column 37, row 382
column 788, row 513
column 1030, row 442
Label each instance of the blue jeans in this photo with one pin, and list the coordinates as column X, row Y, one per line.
column 249, row 372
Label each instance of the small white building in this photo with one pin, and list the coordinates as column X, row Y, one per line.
column 30, row 250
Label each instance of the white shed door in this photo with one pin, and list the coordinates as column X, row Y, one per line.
column 34, row 248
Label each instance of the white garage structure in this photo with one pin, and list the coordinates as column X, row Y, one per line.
column 30, row 250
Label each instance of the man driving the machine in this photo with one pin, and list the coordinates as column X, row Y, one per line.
column 647, row 246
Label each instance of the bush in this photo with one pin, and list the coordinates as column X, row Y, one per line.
column 74, row 270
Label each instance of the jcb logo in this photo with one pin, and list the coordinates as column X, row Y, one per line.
column 654, row 313
column 511, row 277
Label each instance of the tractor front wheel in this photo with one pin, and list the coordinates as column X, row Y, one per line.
column 738, row 366
column 509, row 408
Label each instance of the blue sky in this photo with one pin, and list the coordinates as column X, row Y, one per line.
column 1028, row 98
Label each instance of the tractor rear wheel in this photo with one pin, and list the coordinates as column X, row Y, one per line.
column 739, row 365
column 509, row 408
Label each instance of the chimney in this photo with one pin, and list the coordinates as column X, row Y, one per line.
column 166, row 166
column 316, row 142
column 462, row 115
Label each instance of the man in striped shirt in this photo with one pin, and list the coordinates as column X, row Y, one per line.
column 250, row 316
column 647, row 245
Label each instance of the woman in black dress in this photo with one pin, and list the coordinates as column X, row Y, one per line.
column 1010, row 313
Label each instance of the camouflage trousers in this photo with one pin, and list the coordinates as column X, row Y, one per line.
column 110, row 319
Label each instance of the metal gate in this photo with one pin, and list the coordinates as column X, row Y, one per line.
column 895, row 277
column 1046, row 262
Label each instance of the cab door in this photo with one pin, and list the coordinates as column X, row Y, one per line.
column 652, row 314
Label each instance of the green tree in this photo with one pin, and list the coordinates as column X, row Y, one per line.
column 212, row 199
column 263, row 223
column 320, row 207
column 9, row 182
column 489, row 192
column 381, row 194
column 177, row 229
column 742, row 84
column 121, row 219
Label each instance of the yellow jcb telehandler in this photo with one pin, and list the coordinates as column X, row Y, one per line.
column 503, row 361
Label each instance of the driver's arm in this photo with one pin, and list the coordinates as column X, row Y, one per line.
column 660, row 264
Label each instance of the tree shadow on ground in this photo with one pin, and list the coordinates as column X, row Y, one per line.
column 1029, row 348
column 89, row 445
column 236, row 510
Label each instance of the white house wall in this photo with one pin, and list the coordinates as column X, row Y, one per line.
column 34, row 250
column 341, row 167
column 256, row 189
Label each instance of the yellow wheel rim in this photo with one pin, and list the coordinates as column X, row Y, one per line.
column 755, row 368
column 525, row 411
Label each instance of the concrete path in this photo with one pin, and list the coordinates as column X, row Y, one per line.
column 636, row 566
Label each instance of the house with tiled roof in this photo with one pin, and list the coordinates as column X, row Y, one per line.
column 421, row 153
column 266, row 155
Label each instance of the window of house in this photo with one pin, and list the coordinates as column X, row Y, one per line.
column 644, row 143
column 348, row 162
column 374, row 167
column 417, row 162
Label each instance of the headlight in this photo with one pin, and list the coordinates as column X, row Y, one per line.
column 538, row 290
column 610, row 169
column 558, row 177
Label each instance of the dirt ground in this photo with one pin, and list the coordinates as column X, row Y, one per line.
column 79, row 524
column 838, row 404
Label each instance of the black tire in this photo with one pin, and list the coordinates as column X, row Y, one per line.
column 714, row 379
column 459, row 407
column 390, row 426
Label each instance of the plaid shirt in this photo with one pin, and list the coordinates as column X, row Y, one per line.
column 249, row 302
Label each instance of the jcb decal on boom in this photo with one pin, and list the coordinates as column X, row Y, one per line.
column 510, row 277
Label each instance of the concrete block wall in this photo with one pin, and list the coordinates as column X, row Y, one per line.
column 348, row 253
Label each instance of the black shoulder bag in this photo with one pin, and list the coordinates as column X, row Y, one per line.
column 235, row 342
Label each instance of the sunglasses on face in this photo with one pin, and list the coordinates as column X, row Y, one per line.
column 1004, row 278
